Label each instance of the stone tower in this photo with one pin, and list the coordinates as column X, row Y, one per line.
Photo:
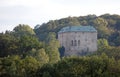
column 78, row 40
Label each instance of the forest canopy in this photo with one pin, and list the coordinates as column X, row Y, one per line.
column 108, row 26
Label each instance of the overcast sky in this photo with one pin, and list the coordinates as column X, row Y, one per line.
column 32, row 12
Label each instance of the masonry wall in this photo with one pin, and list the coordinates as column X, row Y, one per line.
column 77, row 43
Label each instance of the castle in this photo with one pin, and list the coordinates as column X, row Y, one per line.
column 78, row 40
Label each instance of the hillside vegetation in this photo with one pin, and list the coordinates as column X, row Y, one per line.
column 27, row 52
column 108, row 26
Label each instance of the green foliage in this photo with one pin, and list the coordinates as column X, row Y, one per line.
column 40, row 55
column 46, row 70
column 14, row 66
column 102, row 43
column 117, row 40
column 46, row 74
column 110, row 52
column 94, row 66
column 51, row 36
column 29, row 42
column 101, row 25
column 30, row 65
column 24, row 55
column 19, row 41
column 107, row 26
column 8, row 45
column 23, row 29
column 52, row 51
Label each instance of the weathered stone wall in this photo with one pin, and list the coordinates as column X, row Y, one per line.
column 76, row 43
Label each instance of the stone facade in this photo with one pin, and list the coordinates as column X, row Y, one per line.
column 78, row 40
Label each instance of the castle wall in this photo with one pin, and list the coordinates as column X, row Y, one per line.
column 76, row 43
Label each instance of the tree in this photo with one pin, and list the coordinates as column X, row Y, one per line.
column 52, row 51
column 29, row 42
column 62, row 50
column 107, row 26
column 102, row 43
column 30, row 65
column 22, row 30
column 101, row 25
column 12, row 66
column 50, row 36
column 46, row 74
column 117, row 41
column 41, row 56
column 8, row 45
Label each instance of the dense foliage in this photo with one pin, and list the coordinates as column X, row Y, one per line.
column 94, row 66
column 89, row 66
column 25, row 52
column 108, row 26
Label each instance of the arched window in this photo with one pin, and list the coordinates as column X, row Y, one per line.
column 72, row 43
column 75, row 43
column 78, row 42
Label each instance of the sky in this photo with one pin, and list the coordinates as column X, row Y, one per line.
column 33, row 12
